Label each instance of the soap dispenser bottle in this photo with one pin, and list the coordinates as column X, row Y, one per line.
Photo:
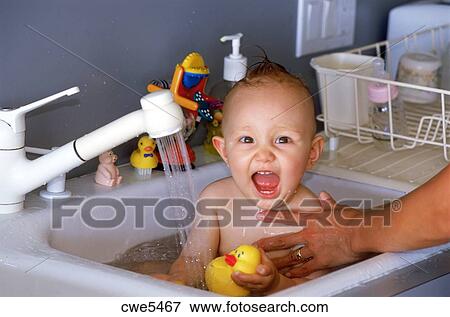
column 234, row 67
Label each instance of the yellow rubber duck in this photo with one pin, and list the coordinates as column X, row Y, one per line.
column 244, row 259
column 214, row 129
column 143, row 158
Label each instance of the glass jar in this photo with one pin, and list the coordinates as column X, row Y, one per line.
column 419, row 69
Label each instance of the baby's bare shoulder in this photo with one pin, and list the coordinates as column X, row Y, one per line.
column 305, row 197
column 224, row 187
column 305, row 192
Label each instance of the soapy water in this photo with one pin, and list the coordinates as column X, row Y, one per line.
column 157, row 256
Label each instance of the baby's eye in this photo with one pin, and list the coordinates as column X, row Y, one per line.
column 282, row 139
column 246, row 139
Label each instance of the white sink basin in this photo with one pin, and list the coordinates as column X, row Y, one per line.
column 38, row 260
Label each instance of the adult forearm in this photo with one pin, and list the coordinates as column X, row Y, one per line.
column 422, row 221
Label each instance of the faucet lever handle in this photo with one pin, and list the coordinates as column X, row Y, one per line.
column 16, row 117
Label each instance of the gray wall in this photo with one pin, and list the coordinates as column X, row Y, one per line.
column 50, row 45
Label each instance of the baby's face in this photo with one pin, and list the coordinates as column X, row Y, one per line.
column 268, row 140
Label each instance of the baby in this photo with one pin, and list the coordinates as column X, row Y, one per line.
column 268, row 142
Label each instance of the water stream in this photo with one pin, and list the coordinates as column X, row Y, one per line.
column 157, row 256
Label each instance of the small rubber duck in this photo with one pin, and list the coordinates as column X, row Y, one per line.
column 244, row 259
column 107, row 173
column 143, row 159
column 214, row 129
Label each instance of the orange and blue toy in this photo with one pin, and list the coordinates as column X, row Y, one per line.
column 188, row 87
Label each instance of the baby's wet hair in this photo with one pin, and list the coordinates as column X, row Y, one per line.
column 265, row 70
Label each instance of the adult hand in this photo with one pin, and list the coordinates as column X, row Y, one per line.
column 324, row 245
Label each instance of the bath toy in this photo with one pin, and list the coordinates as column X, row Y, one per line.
column 107, row 173
column 143, row 159
column 176, row 160
column 188, row 87
column 244, row 259
column 189, row 125
column 161, row 83
column 214, row 129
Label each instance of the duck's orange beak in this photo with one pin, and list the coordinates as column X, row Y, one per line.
column 230, row 259
column 148, row 148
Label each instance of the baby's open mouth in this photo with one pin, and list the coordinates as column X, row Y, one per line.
column 266, row 184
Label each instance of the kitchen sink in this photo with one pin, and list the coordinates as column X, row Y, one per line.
column 39, row 257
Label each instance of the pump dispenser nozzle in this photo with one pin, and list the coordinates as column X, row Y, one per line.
column 235, row 64
column 235, row 42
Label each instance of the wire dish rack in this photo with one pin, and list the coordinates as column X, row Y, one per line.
column 351, row 149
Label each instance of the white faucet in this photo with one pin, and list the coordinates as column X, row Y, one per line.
column 160, row 116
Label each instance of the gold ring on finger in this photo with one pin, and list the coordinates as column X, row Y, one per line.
column 298, row 254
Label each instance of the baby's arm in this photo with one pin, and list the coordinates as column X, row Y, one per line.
column 267, row 279
column 201, row 247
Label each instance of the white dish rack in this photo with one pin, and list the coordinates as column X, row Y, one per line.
column 426, row 147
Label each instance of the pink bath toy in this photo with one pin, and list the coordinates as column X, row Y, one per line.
column 107, row 173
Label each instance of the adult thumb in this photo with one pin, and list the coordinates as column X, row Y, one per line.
column 326, row 200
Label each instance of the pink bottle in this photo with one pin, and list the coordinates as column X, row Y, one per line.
column 380, row 95
column 107, row 173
